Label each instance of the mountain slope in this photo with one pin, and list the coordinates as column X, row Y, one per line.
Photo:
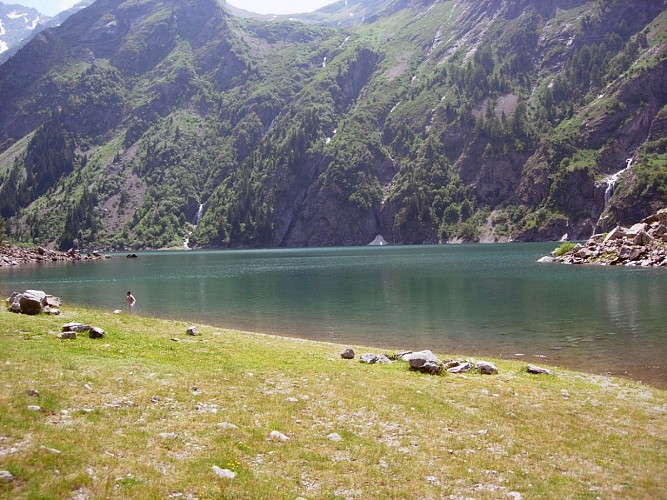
column 19, row 24
column 142, row 124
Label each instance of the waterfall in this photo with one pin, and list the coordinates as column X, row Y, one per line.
column 611, row 181
column 199, row 214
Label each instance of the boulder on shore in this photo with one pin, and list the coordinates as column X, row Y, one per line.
column 425, row 362
column 33, row 302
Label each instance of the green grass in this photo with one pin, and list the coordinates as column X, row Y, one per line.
column 136, row 414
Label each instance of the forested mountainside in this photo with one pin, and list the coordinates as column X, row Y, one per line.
column 147, row 123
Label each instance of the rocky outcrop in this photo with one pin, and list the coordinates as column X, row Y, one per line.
column 644, row 244
column 11, row 255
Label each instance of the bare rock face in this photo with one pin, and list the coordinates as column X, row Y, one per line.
column 644, row 244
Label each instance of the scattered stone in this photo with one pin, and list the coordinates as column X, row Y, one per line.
column 536, row 370
column 433, row 480
column 168, row 435
column 424, row 362
column 347, row 354
column 334, row 436
column 223, row 473
column 192, row 331
column 514, row 495
column 278, row 436
column 34, row 408
column 32, row 393
column 117, row 311
column 383, row 360
column 227, row 426
column 67, row 336
column 51, row 311
column 292, row 399
column 96, row 333
column 461, row 368
column 53, row 451
column 6, row 476
column 486, row 368
column 369, row 358
column 76, row 327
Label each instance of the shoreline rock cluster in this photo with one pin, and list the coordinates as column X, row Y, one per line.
column 12, row 255
column 644, row 244
column 34, row 302
column 429, row 363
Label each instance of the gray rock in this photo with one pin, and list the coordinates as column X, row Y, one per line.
column 547, row 259
column 67, row 336
column 536, row 370
column 383, row 360
column 75, row 327
column 424, row 362
column 278, row 436
column 461, row 368
column 347, row 354
column 31, row 302
column 192, row 331
column 223, row 473
column 369, row 358
column 33, row 393
column 34, row 408
column 334, row 436
column 617, row 233
column 486, row 368
column 642, row 238
column 96, row 333
column 53, row 301
column 6, row 476
column 227, row 426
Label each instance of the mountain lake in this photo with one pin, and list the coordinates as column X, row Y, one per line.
column 471, row 300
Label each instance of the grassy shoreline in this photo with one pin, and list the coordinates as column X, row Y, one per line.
column 137, row 415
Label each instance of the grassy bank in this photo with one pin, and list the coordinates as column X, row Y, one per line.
column 138, row 415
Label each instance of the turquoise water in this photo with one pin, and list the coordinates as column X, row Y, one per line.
column 493, row 300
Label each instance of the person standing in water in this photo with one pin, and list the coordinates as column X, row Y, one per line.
column 130, row 300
